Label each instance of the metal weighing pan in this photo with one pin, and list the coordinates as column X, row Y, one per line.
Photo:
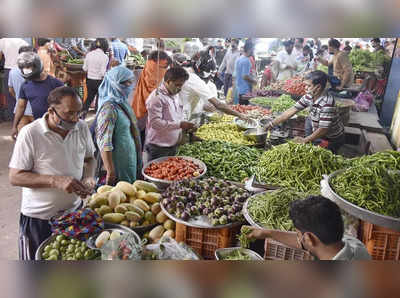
column 361, row 213
column 224, row 252
column 122, row 230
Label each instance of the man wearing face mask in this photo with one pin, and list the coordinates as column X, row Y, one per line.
column 165, row 115
column 35, row 90
column 319, row 230
column 326, row 124
column 53, row 163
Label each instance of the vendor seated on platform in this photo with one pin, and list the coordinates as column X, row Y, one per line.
column 326, row 125
column 165, row 115
column 319, row 230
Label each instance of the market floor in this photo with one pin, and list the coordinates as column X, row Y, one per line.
column 10, row 199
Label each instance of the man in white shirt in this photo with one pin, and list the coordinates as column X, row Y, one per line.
column 287, row 61
column 9, row 47
column 95, row 65
column 196, row 94
column 319, row 230
column 53, row 162
column 228, row 64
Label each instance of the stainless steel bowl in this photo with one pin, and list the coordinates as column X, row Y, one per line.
column 222, row 253
column 245, row 125
column 257, row 135
column 163, row 184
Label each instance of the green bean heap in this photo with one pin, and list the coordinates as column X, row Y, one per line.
column 297, row 166
column 389, row 159
column 271, row 209
column 223, row 160
column 371, row 187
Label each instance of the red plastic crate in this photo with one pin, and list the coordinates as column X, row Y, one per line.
column 275, row 250
column 382, row 243
column 206, row 241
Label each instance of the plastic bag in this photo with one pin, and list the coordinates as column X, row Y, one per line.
column 126, row 247
column 168, row 249
column 363, row 101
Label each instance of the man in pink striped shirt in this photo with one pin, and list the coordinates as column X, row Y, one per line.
column 165, row 115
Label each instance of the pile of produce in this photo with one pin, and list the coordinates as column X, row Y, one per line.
column 237, row 255
column 173, row 169
column 271, row 209
column 131, row 205
column 218, row 117
column 243, row 239
column 75, row 61
column 165, row 228
column 223, row 160
column 297, row 166
column 278, row 85
column 226, row 132
column 106, row 236
column 277, row 105
column 371, row 187
column 220, row 200
column 264, row 93
column 360, row 59
column 136, row 60
column 296, row 86
column 251, row 111
column 389, row 159
column 68, row 249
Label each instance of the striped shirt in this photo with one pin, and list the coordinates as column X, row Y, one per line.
column 323, row 114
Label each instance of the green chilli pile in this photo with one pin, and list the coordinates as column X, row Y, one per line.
column 297, row 166
column 388, row 159
column 271, row 209
column 370, row 187
column 223, row 160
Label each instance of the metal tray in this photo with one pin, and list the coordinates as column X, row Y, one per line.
column 361, row 213
column 223, row 252
column 246, row 214
column 165, row 183
column 201, row 221
column 123, row 230
column 245, row 127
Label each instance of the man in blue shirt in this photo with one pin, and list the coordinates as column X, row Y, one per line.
column 35, row 90
column 243, row 79
column 120, row 50
column 15, row 81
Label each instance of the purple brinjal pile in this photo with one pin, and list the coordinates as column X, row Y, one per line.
column 221, row 201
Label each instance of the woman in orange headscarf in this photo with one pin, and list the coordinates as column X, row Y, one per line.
column 151, row 76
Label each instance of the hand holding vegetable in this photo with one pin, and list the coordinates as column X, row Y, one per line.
column 257, row 233
column 186, row 125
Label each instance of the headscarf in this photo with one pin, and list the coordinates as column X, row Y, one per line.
column 111, row 88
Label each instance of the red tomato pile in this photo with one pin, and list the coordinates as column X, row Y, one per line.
column 246, row 109
column 295, row 86
column 173, row 169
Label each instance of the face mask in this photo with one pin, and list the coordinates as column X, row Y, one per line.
column 173, row 90
column 65, row 124
column 126, row 90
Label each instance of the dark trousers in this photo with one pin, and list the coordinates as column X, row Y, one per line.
column 10, row 99
column 242, row 101
column 32, row 232
column 335, row 144
column 155, row 151
column 227, row 83
column 92, row 90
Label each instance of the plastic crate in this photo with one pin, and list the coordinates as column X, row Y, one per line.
column 382, row 243
column 206, row 241
column 277, row 251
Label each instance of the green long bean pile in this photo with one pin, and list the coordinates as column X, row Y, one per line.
column 242, row 237
column 371, row 187
column 237, row 255
column 277, row 105
column 297, row 166
column 271, row 209
column 389, row 159
column 224, row 160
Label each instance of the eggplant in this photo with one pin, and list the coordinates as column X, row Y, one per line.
column 223, row 220
column 180, row 205
column 206, row 211
column 185, row 216
column 215, row 222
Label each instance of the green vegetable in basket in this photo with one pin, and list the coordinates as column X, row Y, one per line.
column 223, row 132
column 244, row 241
column 223, row 160
column 297, row 166
column 370, row 187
